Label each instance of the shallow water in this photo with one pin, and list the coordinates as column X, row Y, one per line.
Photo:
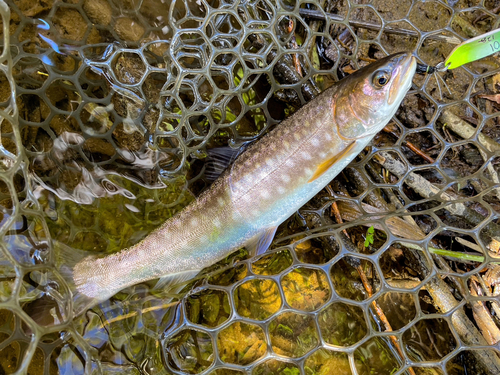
column 117, row 103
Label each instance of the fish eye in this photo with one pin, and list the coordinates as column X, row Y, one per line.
column 381, row 78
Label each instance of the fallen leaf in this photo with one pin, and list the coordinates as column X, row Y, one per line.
column 349, row 70
column 494, row 98
column 496, row 80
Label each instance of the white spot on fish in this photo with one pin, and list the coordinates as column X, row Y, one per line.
column 308, row 171
column 315, row 142
column 194, row 222
column 322, row 155
column 328, row 137
column 285, row 178
column 217, row 223
column 269, row 161
column 264, row 194
column 281, row 190
column 306, row 156
column 297, row 136
column 286, row 145
column 255, row 213
column 220, row 202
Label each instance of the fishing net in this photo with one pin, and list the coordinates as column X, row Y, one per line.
column 107, row 109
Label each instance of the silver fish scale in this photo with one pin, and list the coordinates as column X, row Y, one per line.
column 99, row 98
column 283, row 160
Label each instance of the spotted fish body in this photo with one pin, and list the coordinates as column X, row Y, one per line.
column 266, row 184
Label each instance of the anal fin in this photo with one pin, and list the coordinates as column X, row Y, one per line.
column 175, row 281
column 261, row 242
column 324, row 166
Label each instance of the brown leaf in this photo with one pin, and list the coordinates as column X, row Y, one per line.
column 349, row 70
column 494, row 98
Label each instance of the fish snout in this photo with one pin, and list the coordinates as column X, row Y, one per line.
column 405, row 66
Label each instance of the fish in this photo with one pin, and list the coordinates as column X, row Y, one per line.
column 265, row 185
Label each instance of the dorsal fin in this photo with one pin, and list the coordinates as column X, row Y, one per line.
column 219, row 158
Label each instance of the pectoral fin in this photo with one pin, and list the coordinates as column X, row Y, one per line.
column 260, row 243
column 323, row 167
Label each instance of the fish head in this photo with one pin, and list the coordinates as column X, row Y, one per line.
column 366, row 100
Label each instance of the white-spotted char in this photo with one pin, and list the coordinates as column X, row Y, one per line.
column 266, row 184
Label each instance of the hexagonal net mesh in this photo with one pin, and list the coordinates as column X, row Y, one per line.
column 107, row 110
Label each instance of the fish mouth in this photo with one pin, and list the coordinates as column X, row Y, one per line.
column 404, row 72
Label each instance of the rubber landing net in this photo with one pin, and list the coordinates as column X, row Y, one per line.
column 107, row 109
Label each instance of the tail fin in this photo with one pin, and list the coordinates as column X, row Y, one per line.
column 50, row 305
column 66, row 259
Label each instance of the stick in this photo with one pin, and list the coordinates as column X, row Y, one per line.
column 374, row 26
column 428, row 190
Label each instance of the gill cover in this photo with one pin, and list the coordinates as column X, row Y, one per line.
column 366, row 100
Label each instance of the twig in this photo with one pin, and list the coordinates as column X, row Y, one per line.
column 445, row 268
column 142, row 311
column 335, row 209
column 427, row 190
column 374, row 26
column 464, row 130
column 367, row 59
column 293, row 42
column 336, row 212
column 466, row 330
column 466, row 26
column 404, row 283
column 419, row 152
column 483, row 318
column 369, row 290
column 380, row 313
column 469, row 244
column 410, row 145
column 493, row 284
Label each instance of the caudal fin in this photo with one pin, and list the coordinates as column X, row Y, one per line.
column 48, row 302
column 66, row 259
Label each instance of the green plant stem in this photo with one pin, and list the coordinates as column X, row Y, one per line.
column 446, row 253
column 454, row 254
